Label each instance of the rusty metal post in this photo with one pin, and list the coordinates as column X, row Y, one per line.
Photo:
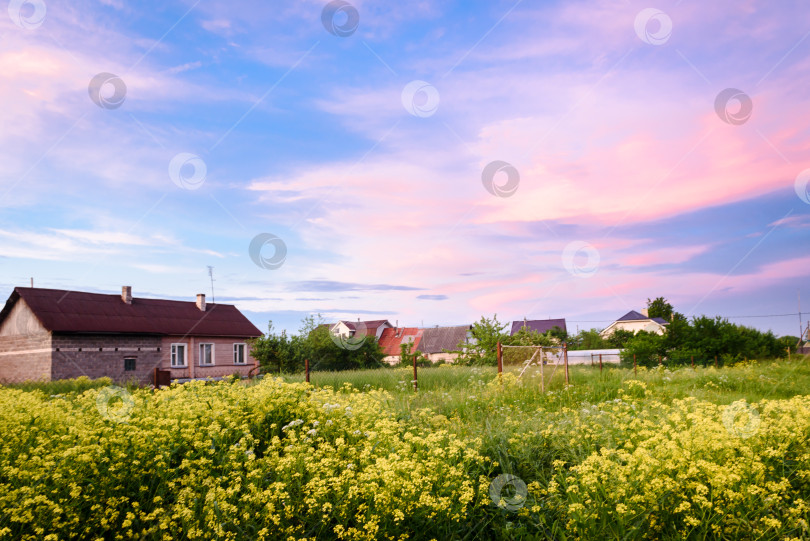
column 500, row 359
column 415, row 379
column 565, row 355
column 600, row 363
column 635, row 369
column 306, row 368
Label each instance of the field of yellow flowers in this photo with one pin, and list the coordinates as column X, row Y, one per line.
column 691, row 453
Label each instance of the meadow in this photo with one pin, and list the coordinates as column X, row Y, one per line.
column 661, row 454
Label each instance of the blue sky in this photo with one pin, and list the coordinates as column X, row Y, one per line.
column 364, row 154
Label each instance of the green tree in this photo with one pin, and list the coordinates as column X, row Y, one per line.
column 277, row 352
column 647, row 347
column 588, row 339
column 788, row 342
column 283, row 353
column 559, row 334
column 486, row 334
column 619, row 338
column 326, row 353
column 659, row 307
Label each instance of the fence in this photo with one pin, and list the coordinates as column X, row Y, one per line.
column 541, row 356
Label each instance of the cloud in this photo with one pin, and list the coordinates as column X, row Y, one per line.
column 327, row 285
column 433, row 297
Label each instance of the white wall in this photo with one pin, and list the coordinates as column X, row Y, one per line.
column 584, row 356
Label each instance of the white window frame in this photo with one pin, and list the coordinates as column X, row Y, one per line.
column 236, row 347
column 173, row 355
column 202, row 356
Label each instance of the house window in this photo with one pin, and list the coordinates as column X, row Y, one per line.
column 129, row 364
column 178, row 355
column 206, row 354
column 239, row 354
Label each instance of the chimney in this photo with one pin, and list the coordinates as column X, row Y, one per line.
column 201, row 301
column 126, row 294
column 645, row 312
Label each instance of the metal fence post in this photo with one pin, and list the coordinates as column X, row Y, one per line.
column 415, row 379
column 565, row 354
column 500, row 359
column 306, row 368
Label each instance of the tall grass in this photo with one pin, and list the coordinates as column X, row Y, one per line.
column 62, row 386
column 612, row 454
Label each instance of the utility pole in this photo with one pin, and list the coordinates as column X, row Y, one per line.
column 799, row 297
column 211, row 274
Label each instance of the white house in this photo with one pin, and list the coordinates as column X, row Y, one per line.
column 636, row 321
column 348, row 329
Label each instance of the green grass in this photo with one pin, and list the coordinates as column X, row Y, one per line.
column 662, row 435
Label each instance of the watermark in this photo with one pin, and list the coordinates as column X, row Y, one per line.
column 743, row 112
column 354, row 339
column 802, row 186
column 572, row 259
column 340, row 18
column 516, row 492
column 107, row 90
column 420, row 98
column 27, row 14
column 188, row 171
column 276, row 260
column 741, row 419
column 653, row 26
column 104, row 404
column 506, row 189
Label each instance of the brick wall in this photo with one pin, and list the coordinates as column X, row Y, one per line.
column 97, row 356
column 223, row 357
column 25, row 358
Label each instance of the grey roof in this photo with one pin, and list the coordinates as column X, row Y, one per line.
column 438, row 339
column 540, row 325
column 632, row 315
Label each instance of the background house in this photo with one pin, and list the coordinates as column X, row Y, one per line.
column 392, row 339
column 540, row 325
column 50, row 334
column 439, row 343
column 348, row 329
column 634, row 322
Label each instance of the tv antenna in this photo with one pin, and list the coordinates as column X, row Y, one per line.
column 211, row 274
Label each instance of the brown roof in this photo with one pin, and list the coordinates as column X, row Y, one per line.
column 391, row 338
column 439, row 339
column 369, row 326
column 80, row 312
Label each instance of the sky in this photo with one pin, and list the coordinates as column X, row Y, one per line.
column 425, row 162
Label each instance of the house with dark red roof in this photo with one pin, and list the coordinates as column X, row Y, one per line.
column 50, row 334
column 392, row 338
